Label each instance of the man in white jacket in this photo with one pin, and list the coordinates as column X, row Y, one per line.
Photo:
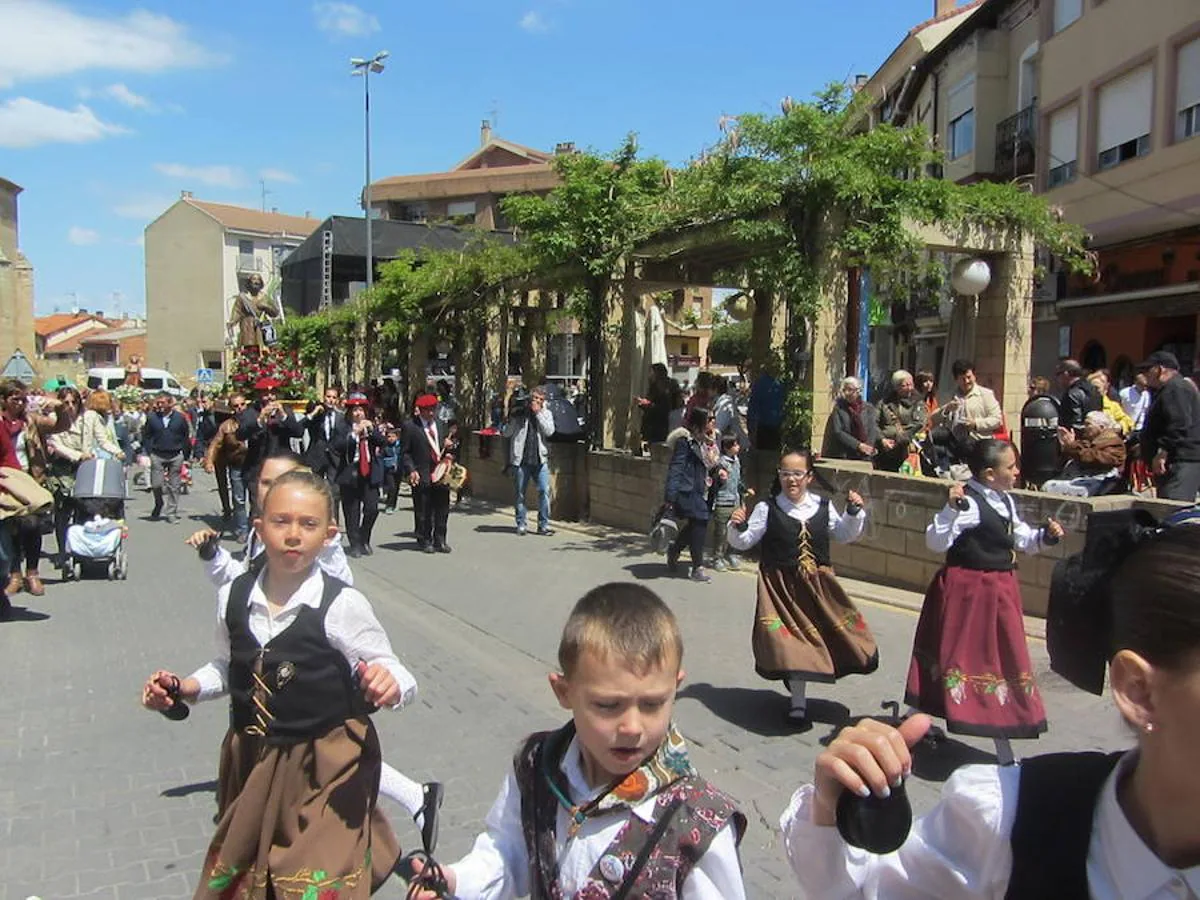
column 528, row 427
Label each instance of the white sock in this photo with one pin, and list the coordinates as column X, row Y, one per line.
column 403, row 790
column 799, row 689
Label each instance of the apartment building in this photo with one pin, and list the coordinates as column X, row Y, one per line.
column 16, row 281
column 1120, row 109
column 198, row 257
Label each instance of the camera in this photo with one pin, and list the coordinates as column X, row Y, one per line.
column 518, row 403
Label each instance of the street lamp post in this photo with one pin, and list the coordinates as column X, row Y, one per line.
column 365, row 67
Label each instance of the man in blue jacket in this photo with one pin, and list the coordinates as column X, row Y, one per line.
column 165, row 438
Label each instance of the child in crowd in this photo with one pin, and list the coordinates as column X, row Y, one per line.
column 1064, row 825
column 390, row 455
column 730, row 491
column 422, row 801
column 970, row 663
column 304, row 661
column 806, row 627
column 609, row 805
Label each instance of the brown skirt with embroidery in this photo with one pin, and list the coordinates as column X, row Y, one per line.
column 970, row 662
column 806, row 627
column 300, row 821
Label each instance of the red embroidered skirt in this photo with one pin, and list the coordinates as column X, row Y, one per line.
column 970, row 662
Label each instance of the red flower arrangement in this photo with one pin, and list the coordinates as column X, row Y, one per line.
column 253, row 365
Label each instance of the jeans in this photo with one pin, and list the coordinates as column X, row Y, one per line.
column 237, row 488
column 718, row 541
column 523, row 474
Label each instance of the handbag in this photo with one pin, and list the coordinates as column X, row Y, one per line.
column 21, row 495
column 664, row 528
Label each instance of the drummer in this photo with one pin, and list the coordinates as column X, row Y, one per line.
column 429, row 448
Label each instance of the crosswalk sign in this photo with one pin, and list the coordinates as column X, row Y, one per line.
column 204, row 376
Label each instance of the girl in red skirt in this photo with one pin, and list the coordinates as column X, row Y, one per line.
column 304, row 661
column 970, row 663
column 806, row 628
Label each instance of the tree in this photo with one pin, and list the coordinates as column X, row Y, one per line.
column 579, row 234
column 730, row 344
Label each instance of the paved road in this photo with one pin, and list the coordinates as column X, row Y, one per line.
column 101, row 799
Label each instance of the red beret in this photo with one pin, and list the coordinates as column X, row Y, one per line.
column 267, row 383
column 427, row 401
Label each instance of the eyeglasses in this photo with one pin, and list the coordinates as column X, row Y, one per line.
column 791, row 474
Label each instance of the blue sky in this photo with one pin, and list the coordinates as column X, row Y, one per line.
column 109, row 109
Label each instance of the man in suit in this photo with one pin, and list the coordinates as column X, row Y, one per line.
column 360, row 475
column 327, row 428
column 266, row 427
column 427, row 442
column 166, row 439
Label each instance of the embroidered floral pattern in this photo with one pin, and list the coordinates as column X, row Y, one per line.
column 307, row 884
column 987, row 684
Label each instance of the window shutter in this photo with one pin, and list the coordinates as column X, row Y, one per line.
column 1126, row 107
column 961, row 98
column 1188, row 93
column 1064, row 136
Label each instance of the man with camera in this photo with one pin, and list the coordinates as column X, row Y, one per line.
column 266, row 427
column 529, row 424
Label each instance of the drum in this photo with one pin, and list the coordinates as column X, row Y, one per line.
column 441, row 472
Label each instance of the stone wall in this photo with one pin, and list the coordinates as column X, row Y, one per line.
column 623, row 491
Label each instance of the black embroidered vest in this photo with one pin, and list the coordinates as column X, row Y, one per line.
column 1056, row 803
column 988, row 547
column 645, row 860
column 780, row 545
column 296, row 687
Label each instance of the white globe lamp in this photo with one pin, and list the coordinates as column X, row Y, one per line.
column 971, row 277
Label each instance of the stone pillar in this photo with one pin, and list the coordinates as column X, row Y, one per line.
column 618, row 335
column 1003, row 332
column 418, row 359
column 768, row 328
column 827, row 366
column 471, row 385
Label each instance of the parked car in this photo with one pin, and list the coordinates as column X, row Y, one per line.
column 154, row 381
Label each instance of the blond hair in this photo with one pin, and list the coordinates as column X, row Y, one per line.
column 100, row 401
column 624, row 620
column 303, row 477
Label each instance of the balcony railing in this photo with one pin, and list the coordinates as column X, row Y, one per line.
column 1016, row 144
column 248, row 263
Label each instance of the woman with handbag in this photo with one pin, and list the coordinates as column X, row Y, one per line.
column 28, row 422
column 689, row 490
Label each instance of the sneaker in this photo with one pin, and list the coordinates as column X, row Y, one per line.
column 672, row 560
column 522, row 530
column 388, row 510
column 720, row 565
column 545, row 532
column 731, row 564
column 698, row 574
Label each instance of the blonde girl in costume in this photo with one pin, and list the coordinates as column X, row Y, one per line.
column 806, row 628
column 304, row 661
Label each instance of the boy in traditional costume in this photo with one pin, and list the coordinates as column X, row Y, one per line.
column 608, row 806
column 806, row 628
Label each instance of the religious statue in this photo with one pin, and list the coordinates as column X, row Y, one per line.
column 252, row 318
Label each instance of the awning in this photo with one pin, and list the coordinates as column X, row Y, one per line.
column 1159, row 302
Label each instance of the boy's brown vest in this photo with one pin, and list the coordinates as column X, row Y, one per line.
column 655, row 858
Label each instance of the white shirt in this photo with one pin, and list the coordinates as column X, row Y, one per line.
column 497, row 868
column 962, row 849
column 843, row 529
column 948, row 523
column 350, row 627
column 223, row 568
column 1135, row 402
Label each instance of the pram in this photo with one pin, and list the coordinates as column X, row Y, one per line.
column 96, row 540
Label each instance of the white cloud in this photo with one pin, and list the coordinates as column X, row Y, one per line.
column 534, row 23
column 144, row 206
column 277, row 175
column 344, row 19
column 82, row 237
column 125, row 96
column 29, row 123
column 44, row 39
column 214, row 176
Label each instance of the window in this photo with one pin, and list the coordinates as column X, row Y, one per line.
column 1124, row 116
column 246, row 248
column 1066, row 12
column 461, row 212
column 1187, row 91
column 961, row 116
column 1064, row 146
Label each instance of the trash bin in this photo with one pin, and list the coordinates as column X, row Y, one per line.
column 1040, row 457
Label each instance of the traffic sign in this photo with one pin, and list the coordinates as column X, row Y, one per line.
column 204, row 376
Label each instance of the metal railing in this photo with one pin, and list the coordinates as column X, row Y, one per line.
column 1016, row 144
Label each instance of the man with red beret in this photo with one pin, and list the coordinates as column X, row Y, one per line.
column 426, row 442
column 265, row 427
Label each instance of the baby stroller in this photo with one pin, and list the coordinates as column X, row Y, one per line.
column 96, row 540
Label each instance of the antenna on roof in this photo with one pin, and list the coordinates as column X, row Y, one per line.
column 494, row 116
column 262, row 183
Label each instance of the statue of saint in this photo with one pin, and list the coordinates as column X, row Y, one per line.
column 253, row 314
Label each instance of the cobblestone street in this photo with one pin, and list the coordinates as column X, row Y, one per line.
column 101, row 799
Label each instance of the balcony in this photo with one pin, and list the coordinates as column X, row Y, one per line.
column 1016, row 144
column 248, row 264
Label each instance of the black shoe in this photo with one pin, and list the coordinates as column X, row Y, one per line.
column 798, row 721
column 353, row 552
column 672, row 560
column 433, row 793
column 367, row 550
column 156, row 512
column 444, row 548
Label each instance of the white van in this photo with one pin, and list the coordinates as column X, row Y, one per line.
column 154, row 381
